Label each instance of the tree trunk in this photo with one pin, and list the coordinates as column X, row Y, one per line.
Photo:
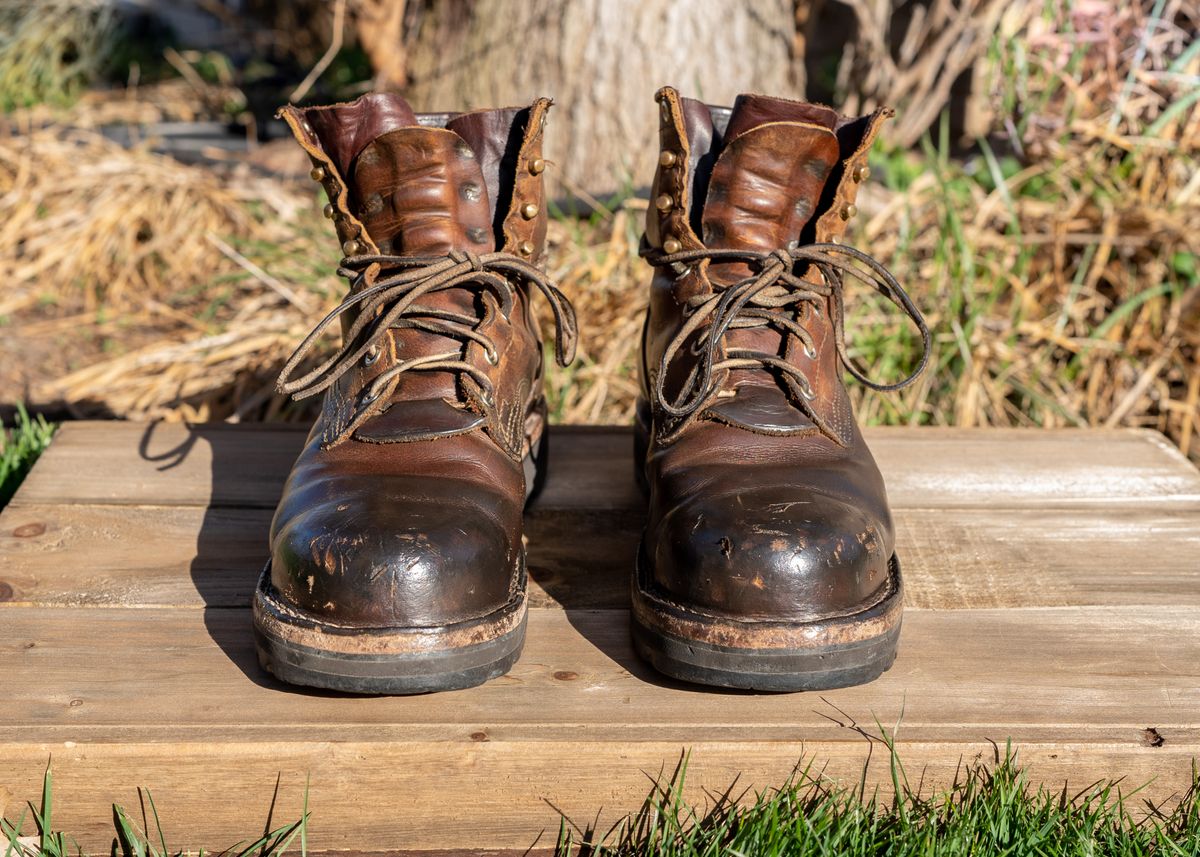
column 601, row 60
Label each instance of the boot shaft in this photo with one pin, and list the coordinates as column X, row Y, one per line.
column 441, row 218
column 760, row 174
column 404, row 183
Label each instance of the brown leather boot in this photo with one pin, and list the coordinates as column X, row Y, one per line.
column 396, row 557
column 767, row 561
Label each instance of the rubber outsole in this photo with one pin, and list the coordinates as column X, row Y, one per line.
column 393, row 661
column 770, row 656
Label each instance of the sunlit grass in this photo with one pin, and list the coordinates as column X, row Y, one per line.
column 20, row 447
column 989, row 810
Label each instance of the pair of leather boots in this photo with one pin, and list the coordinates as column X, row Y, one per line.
column 397, row 559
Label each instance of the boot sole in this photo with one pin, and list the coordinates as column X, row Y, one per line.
column 767, row 655
column 299, row 649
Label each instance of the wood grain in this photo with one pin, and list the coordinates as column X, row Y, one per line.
column 187, row 556
column 1025, row 673
column 1052, row 580
column 576, row 725
column 591, row 468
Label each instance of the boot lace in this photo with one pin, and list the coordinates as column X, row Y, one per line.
column 392, row 302
column 772, row 296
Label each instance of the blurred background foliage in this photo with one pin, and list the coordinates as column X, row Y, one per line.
column 1038, row 193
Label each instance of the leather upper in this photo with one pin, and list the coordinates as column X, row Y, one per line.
column 405, row 507
column 411, row 535
column 765, row 503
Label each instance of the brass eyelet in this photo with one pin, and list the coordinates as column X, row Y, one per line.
column 371, row 355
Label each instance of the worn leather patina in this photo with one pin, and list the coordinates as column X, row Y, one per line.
column 401, row 522
column 768, row 520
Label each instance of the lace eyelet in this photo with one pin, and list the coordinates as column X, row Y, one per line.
column 806, row 391
column 371, row 355
column 490, row 355
column 810, row 352
column 488, row 397
column 369, row 397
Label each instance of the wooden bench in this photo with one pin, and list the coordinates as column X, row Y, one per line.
column 1053, row 583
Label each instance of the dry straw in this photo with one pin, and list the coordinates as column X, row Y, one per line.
column 1057, row 266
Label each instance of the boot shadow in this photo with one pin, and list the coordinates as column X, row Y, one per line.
column 583, row 531
column 249, row 464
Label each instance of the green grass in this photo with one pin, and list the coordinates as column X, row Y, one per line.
column 989, row 810
column 19, row 448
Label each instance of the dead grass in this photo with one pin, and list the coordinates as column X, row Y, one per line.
column 1056, row 263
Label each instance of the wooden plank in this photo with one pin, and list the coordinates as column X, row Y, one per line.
column 136, row 556
column 187, row 556
column 243, row 465
column 180, row 702
column 219, row 465
column 1093, row 674
column 484, row 795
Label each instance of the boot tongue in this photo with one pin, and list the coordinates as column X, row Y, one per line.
column 764, row 190
column 418, row 190
column 769, row 176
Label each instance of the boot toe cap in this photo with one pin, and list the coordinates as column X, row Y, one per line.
column 393, row 564
column 770, row 554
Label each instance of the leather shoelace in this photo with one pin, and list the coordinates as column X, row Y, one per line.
column 772, row 296
column 392, row 302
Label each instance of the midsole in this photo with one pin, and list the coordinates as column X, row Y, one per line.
column 873, row 621
column 275, row 618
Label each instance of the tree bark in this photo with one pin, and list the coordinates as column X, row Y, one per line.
column 379, row 26
column 601, row 60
